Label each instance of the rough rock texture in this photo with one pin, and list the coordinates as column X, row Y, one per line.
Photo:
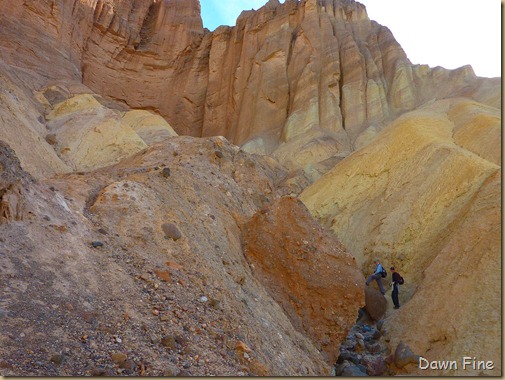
column 304, row 76
column 306, row 270
column 92, row 285
column 421, row 197
column 13, row 180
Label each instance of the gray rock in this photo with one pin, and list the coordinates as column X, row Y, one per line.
column 376, row 334
column 165, row 172
column 171, row 231
column 359, row 336
column 348, row 356
column 97, row 244
column 353, row 370
column 404, row 355
column 375, row 365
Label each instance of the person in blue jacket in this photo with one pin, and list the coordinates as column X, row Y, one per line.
column 377, row 276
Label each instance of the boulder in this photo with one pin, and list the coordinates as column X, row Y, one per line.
column 306, row 270
column 375, row 303
column 404, row 356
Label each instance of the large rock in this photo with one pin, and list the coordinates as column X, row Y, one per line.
column 375, row 303
column 306, row 270
column 88, row 135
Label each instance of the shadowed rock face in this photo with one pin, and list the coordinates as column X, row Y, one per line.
column 303, row 76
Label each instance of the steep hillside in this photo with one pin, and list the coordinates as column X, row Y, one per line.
column 138, row 269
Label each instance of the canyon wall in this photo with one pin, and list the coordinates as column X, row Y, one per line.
column 315, row 77
column 192, row 233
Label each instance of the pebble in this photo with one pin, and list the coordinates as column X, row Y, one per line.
column 203, row 299
column 119, row 357
column 57, row 359
column 165, row 172
column 97, row 244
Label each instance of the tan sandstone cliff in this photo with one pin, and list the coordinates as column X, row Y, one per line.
column 305, row 76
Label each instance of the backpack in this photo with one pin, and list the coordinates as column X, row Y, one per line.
column 384, row 273
column 400, row 279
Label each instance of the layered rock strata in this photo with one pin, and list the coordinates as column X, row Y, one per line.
column 303, row 76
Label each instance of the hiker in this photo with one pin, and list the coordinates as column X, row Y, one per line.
column 377, row 276
column 397, row 280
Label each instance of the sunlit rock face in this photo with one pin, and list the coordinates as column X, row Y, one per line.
column 422, row 197
column 304, row 76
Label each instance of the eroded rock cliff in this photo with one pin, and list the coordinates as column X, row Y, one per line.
column 305, row 76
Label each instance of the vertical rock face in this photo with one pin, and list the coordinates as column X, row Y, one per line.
column 306, row 270
column 306, row 76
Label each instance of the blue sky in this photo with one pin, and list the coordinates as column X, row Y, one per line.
column 447, row 33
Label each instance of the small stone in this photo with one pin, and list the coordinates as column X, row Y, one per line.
column 156, row 312
column 102, row 231
column 214, row 303
column 218, row 154
column 241, row 346
column 4, row 364
column 57, row 359
column 352, row 370
column 154, row 339
column 359, row 336
column 97, row 244
column 47, row 218
column 163, row 275
column 118, row 339
column 127, row 365
column 360, row 345
column 165, row 172
column 168, row 341
column 376, row 334
column 173, row 265
column 171, row 231
column 119, row 357
column 203, row 299
column 51, row 139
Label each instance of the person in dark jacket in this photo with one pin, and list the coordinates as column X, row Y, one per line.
column 377, row 276
column 396, row 281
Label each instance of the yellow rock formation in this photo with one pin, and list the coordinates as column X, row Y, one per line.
column 88, row 135
column 420, row 199
column 150, row 127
